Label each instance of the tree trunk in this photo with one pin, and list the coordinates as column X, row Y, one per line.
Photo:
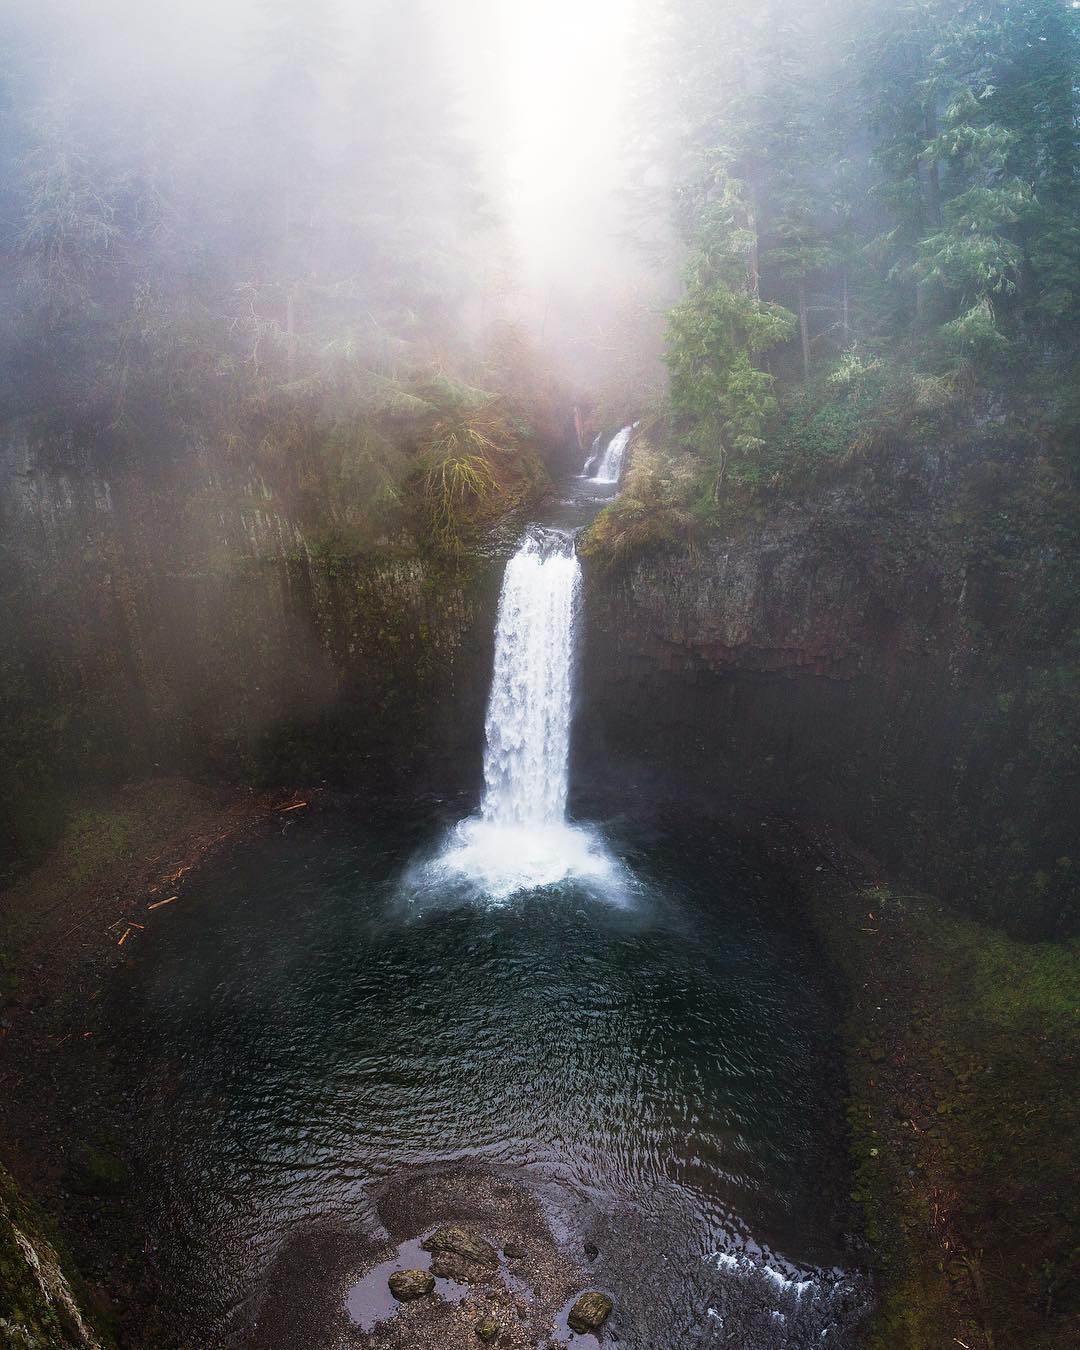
column 847, row 310
column 753, row 278
column 804, row 329
column 933, row 188
column 290, row 329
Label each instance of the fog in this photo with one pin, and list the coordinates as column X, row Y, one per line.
column 489, row 138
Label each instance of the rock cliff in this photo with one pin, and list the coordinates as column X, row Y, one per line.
column 894, row 653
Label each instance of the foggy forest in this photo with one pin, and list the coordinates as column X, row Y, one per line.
column 539, row 674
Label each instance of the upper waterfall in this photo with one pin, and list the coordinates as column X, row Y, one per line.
column 594, row 456
column 609, row 463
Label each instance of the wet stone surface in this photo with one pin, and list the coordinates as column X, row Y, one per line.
column 590, row 1312
column 367, row 1299
column 406, row 1285
column 459, row 1242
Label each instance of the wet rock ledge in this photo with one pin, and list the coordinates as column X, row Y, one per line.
column 464, row 1258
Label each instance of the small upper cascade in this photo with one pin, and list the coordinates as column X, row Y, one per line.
column 594, row 457
column 610, row 467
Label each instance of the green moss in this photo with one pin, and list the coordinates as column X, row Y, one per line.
column 962, row 1053
column 42, row 1303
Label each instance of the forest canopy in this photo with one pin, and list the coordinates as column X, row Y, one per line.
column 307, row 270
column 878, row 207
column 854, row 218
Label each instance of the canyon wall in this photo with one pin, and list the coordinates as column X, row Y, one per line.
column 894, row 654
column 183, row 622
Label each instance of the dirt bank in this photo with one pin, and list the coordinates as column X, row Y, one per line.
column 118, row 871
column 962, row 1048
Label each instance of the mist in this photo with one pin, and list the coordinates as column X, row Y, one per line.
column 475, row 148
column 539, row 635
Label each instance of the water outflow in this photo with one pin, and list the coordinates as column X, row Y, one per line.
column 520, row 840
column 528, row 719
column 610, row 468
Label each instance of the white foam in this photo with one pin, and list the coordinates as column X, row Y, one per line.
column 501, row 861
column 796, row 1283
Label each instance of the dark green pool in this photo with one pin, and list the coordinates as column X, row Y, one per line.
column 659, row 1063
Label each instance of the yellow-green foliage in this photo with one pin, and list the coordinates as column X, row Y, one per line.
column 416, row 457
column 654, row 508
column 461, row 483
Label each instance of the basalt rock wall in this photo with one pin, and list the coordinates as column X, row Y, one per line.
column 894, row 654
column 181, row 621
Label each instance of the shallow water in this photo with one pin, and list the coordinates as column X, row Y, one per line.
column 659, row 1061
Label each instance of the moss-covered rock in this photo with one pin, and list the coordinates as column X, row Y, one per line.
column 460, row 1242
column 962, row 1046
column 487, row 1329
column 42, row 1304
column 407, row 1285
column 590, row 1312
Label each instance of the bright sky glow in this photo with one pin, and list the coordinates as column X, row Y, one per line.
column 565, row 81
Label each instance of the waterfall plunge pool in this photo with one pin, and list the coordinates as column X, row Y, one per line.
column 661, row 1074
column 365, row 1028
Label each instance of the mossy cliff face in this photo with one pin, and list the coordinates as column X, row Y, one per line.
column 181, row 621
column 41, row 1303
column 894, row 654
column 961, row 1053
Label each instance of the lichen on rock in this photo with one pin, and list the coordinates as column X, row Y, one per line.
column 590, row 1311
column 406, row 1285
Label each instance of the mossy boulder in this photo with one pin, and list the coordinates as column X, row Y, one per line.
column 487, row 1329
column 590, row 1312
column 407, row 1285
column 459, row 1242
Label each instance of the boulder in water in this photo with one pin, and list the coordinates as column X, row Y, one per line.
column 405, row 1285
column 590, row 1312
column 459, row 1242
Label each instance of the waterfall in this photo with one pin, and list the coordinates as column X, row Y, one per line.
column 520, row 840
column 591, row 462
column 610, row 467
column 528, row 719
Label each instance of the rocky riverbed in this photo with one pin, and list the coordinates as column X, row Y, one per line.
column 482, row 1266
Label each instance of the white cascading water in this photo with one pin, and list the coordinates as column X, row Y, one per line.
column 610, row 467
column 520, row 840
column 527, row 754
column 590, row 463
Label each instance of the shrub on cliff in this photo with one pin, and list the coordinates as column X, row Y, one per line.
column 655, row 508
